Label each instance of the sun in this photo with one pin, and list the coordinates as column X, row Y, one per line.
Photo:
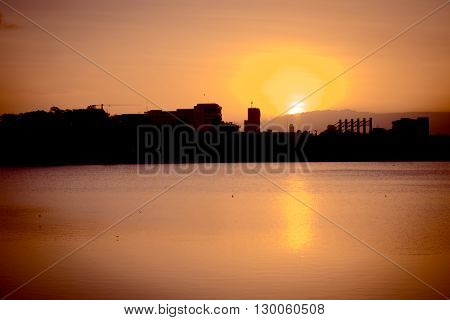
column 297, row 107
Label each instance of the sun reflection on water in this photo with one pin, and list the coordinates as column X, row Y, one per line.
column 298, row 231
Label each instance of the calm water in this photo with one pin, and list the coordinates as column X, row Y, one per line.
column 227, row 236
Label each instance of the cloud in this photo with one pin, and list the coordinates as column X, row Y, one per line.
column 6, row 26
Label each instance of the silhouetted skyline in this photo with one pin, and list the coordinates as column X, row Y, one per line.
column 199, row 134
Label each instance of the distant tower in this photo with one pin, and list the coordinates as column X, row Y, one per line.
column 291, row 128
column 252, row 124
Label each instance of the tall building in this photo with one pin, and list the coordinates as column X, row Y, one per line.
column 207, row 114
column 203, row 114
column 252, row 124
column 291, row 128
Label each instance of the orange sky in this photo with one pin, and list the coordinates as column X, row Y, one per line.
column 271, row 52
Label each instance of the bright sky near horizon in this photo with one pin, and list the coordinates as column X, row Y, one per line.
column 179, row 53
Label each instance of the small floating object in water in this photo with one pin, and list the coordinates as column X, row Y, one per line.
column 232, row 196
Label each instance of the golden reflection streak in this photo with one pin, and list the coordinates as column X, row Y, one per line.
column 298, row 230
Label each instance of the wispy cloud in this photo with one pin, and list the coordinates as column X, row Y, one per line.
column 6, row 26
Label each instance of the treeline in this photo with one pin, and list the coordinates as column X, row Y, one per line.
column 90, row 117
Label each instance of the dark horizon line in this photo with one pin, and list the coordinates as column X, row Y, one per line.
column 76, row 107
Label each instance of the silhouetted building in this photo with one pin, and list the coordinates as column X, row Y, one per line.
column 207, row 114
column 201, row 115
column 253, row 122
column 407, row 127
column 291, row 128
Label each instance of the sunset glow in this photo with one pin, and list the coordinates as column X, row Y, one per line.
column 279, row 77
column 179, row 54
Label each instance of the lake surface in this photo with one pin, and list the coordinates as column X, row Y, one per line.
column 227, row 236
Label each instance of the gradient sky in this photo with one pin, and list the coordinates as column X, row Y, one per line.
column 179, row 53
